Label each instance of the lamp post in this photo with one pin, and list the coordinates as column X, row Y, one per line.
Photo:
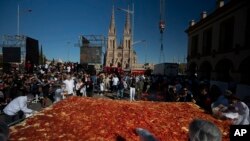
column 18, row 18
column 146, row 49
column 141, row 41
column 68, row 43
column 136, row 42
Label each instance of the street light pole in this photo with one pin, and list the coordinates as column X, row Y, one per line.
column 136, row 42
column 146, row 48
column 140, row 41
column 68, row 45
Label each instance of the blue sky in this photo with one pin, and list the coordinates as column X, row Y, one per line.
column 57, row 24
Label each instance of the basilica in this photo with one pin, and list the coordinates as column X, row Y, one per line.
column 120, row 55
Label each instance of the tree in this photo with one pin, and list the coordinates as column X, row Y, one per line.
column 41, row 57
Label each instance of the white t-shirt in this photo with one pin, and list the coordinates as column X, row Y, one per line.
column 69, row 85
column 115, row 81
column 16, row 105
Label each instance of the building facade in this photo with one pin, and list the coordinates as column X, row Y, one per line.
column 219, row 43
column 120, row 55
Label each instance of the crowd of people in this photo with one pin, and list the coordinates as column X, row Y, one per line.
column 54, row 82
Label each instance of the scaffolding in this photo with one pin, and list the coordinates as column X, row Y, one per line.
column 86, row 41
column 92, row 40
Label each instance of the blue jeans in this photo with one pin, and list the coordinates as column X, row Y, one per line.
column 120, row 93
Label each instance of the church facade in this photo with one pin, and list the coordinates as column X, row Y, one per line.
column 120, row 55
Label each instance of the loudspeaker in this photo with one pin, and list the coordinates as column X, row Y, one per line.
column 11, row 54
column 32, row 51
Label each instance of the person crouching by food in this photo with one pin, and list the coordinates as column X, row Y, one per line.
column 237, row 111
column 202, row 130
column 16, row 109
column 242, row 109
column 221, row 104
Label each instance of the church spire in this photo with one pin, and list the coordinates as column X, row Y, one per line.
column 127, row 29
column 112, row 23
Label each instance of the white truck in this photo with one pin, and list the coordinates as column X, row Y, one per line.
column 168, row 69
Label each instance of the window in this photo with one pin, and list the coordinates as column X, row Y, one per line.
column 113, row 43
column 226, row 34
column 110, row 43
column 194, row 45
column 127, row 43
column 207, row 42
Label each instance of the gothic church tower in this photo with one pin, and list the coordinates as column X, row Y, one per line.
column 121, row 55
column 111, row 47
